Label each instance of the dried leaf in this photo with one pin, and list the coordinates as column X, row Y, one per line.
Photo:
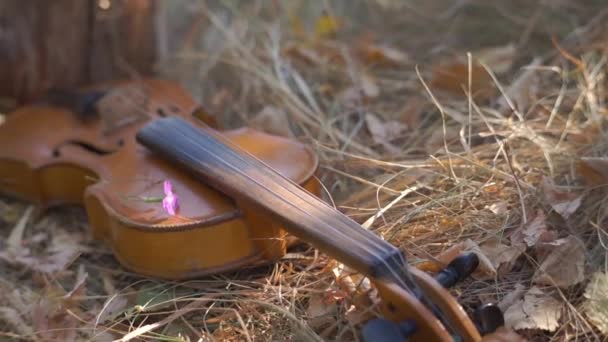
column 485, row 269
column 108, row 283
column 412, row 112
column 369, row 86
column 594, row 170
column 273, row 120
column 521, row 90
column 327, row 25
column 596, row 304
column 512, row 297
column 536, row 311
column 79, row 289
column 50, row 315
column 384, row 131
column 383, row 55
column 500, row 255
column 498, row 208
column 112, row 307
column 532, row 232
column 16, row 237
column 454, row 78
column 13, row 319
column 564, row 265
column 320, row 312
column 56, row 258
column 564, row 203
column 305, row 54
column 499, row 58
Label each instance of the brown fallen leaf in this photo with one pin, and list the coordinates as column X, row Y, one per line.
column 500, row 255
column 532, row 232
column 372, row 53
column 562, row 263
column 596, row 304
column 536, row 311
column 564, row 203
column 593, row 170
column 412, row 111
column 272, row 120
column 305, row 53
column 453, row 78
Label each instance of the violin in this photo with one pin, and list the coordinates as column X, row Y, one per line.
column 244, row 197
column 80, row 148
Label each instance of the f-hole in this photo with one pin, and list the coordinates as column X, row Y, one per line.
column 85, row 146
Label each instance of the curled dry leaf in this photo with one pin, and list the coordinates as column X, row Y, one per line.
column 563, row 263
column 536, row 311
column 564, row 203
column 272, row 120
column 596, row 304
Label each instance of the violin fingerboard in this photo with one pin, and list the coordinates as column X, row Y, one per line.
column 235, row 172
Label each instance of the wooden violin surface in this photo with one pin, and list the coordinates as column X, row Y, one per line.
column 51, row 155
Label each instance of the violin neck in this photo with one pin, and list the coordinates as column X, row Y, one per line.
column 236, row 173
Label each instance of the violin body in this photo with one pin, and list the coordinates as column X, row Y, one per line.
column 88, row 155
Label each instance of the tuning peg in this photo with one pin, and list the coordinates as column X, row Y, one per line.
column 488, row 318
column 457, row 270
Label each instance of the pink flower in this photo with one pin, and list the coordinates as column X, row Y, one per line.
column 170, row 202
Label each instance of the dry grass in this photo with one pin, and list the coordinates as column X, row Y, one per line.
column 432, row 182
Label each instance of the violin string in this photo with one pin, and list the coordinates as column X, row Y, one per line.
column 402, row 277
column 398, row 270
column 369, row 245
